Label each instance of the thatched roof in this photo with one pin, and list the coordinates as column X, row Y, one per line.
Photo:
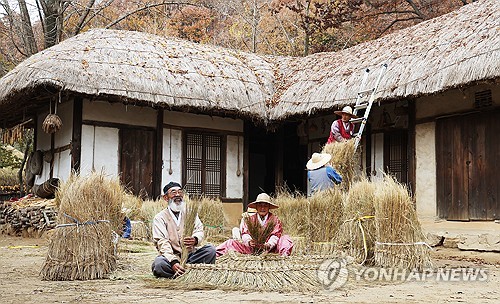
column 452, row 50
column 144, row 69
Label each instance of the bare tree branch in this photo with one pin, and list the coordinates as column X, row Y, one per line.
column 396, row 21
column 146, row 7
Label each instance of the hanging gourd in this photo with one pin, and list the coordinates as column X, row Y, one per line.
column 52, row 123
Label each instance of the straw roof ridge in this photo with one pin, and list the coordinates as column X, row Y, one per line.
column 456, row 49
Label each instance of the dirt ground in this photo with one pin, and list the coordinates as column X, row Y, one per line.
column 22, row 258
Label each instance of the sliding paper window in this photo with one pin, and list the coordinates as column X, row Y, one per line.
column 204, row 164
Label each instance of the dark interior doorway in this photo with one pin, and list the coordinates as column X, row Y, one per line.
column 276, row 159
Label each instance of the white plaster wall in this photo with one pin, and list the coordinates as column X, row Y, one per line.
column 119, row 113
column 234, row 182
column 105, row 157
column 62, row 161
column 425, row 156
column 172, row 156
column 377, row 158
column 202, row 121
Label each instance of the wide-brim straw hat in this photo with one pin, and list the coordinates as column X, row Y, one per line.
column 318, row 160
column 263, row 198
column 346, row 110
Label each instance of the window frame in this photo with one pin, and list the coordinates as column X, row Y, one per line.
column 223, row 160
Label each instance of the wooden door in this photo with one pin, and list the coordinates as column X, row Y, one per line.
column 136, row 160
column 396, row 154
column 468, row 155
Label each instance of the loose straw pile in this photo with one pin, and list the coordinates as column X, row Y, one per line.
column 82, row 248
column 400, row 242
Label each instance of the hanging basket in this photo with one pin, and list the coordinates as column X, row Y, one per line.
column 51, row 124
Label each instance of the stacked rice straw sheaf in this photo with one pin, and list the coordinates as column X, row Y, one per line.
column 82, row 247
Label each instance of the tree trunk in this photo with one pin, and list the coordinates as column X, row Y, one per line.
column 23, row 163
column 27, row 30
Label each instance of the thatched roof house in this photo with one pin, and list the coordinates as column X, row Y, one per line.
column 453, row 50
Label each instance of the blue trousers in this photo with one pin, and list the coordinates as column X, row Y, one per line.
column 162, row 268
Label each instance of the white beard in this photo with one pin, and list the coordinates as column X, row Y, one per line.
column 176, row 206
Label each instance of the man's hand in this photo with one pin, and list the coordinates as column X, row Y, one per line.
column 252, row 243
column 178, row 269
column 189, row 242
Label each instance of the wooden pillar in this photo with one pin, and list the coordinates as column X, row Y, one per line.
column 76, row 139
column 158, row 158
column 411, row 145
column 246, row 161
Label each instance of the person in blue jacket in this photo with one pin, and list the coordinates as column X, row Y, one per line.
column 320, row 175
column 127, row 228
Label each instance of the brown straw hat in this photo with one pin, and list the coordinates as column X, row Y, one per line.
column 263, row 198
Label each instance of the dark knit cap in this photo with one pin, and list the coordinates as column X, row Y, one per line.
column 170, row 185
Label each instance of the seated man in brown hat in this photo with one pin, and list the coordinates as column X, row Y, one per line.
column 342, row 129
column 168, row 226
column 276, row 242
column 320, row 175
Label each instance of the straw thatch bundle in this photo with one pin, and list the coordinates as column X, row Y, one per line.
column 192, row 209
column 312, row 222
column 212, row 216
column 259, row 233
column 400, row 241
column 356, row 235
column 140, row 231
column 344, row 160
column 149, row 209
column 269, row 272
column 51, row 124
column 293, row 213
column 132, row 205
column 82, row 247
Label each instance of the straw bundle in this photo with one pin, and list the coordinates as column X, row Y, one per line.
column 400, row 241
column 292, row 212
column 149, row 209
column 313, row 222
column 192, row 209
column 344, row 160
column 356, row 235
column 212, row 216
column 82, row 247
column 131, row 205
column 269, row 272
column 259, row 233
column 51, row 124
column 325, row 212
column 140, row 231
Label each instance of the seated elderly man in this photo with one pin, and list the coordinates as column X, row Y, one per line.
column 277, row 242
column 168, row 226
